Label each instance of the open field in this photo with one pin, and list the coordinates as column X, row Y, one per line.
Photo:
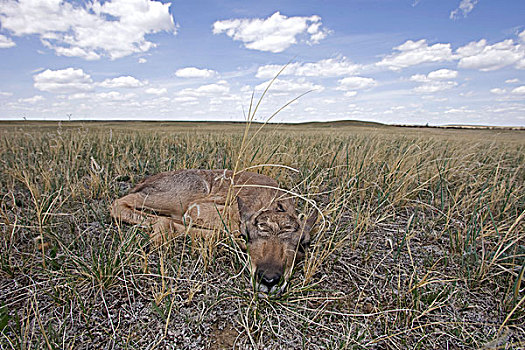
column 423, row 244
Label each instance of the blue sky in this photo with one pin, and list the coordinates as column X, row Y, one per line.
column 390, row 61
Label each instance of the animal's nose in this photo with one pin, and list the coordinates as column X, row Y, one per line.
column 269, row 279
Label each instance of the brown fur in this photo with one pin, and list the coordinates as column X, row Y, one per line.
column 170, row 202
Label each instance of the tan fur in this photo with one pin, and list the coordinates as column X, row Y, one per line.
column 170, row 202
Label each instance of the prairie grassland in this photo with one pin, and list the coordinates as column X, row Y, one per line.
column 423, row 243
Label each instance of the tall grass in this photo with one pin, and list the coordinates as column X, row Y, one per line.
column 423, row 244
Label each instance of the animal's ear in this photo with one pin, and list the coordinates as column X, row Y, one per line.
column 244, row 215
column 284, row 206
column 305, row 242
column 244, row 212
column 310, row 221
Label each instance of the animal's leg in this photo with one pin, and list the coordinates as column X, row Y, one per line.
column 211, row 215
column 128, row 209
column 166, row 228
column 207, row 218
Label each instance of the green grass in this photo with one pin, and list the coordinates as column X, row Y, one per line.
column 423, row 245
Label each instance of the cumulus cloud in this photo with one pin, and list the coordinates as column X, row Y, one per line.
column 465, row 6
column 436, row 86
column 461, row 110
column 522, row 36
column 67, row 80
column 156, row 91
column 520, row 90
column 330, row 67
column 356, row 83
column 443, row 74
column 220, row 88
column 440, row 74
column 122, row 82
column 438, row 80
column 193, row 72
column 412, row 53
column 289, row 86
column 114, row 28
column 79, row 96
column 498, row 91
column 114, row 96
column 479, row 55
column 186, row 99
column 475, row 55
column 6, row 42
column 31, row 100
column 275, row 33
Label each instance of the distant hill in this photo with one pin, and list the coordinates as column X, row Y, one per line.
column 339, row 124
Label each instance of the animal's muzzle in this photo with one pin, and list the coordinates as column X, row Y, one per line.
column 269, row 276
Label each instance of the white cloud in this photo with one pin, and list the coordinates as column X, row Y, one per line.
column 63, row 81
column 114, row 28
column 465, row 6
column 435, row 86
column 498, row 91
column 220, row 88
column 350, row 93
column 289, row 86
column 156, row 91
column 6, row 42
column 460, row 110
column 31, row 100
column 512, row 81
column 186, row 99
column 142, row 60
column 275, row 33
column 79, row 96
column 479, row 55
column 330, row 67
column 412, row 53
column 114, row 96
column 440, row 74
column 6, row 94
column 122, row 82
column 193, row 72
column 443, row 74
column 522, row 36
column 157, row 103
column 520, row 90
column 435, row 76
column 438, row 80
column 356, row 83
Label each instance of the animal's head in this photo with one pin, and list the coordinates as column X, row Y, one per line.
column 276, row 239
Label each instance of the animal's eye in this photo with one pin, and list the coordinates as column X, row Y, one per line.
column 280, row 207
column 263, row 227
